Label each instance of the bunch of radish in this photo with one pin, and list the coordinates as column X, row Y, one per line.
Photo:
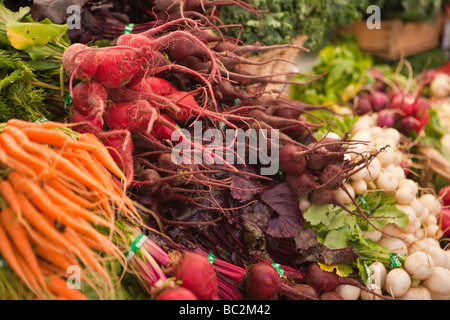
column 396, row 106
column 426, row 271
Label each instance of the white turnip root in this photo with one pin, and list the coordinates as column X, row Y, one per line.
column 398, row 282
column 348, row 292
column 439, row 281
column 419, row 265
column 416, row 293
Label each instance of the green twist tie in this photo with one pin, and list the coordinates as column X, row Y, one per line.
column 279, row 270
column 135, row 246
column 43, row 119
column 211, row 258
column 395, row 261
column 67, row 102
column 128, row 28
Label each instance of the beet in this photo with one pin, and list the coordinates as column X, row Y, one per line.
column 379, row 101
column 262, row 282
column 302, row 184
column 307, row 290
column 331, row 296
column 176, row 294
column 318, row 159
column 288, row 164
column 197, row 275
column 331, row 176
column 89, row 98
column 362, row 105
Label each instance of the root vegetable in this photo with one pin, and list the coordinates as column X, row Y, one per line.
column 419, row 265
column 176, row 294
column 439, row 281
column 348, row 292
column 416, row 293
column 395, row 245
column 387, row 182
column 398, row 282
column 438, row 255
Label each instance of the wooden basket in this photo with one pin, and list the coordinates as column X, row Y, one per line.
column 397, row 39
column 288, row 54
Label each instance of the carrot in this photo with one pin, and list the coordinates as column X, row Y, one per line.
column 13, row 149
column 43, row 244
column 102, row 154
column 27, row 124
column 35, row 193
column 88, row 254
column 70, row 194
column 59, row 287
column 10, row 196
column 69, row 207
column 8, row 253
column 53, row 137
column 18, row 235
column 95, row 245
column 49, row 269
column 15, row 164
column 53, row 257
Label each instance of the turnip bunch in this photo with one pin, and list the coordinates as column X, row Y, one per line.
column 417, row 242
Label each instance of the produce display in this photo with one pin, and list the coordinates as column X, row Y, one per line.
column 143, row 158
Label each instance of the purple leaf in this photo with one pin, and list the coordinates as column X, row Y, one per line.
column 284, row 202
column 249, row 187
column 55, row 10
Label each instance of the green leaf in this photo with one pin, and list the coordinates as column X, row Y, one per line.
column 336, row 239
column 24, row 35
column 8, row 15
column 388, row 214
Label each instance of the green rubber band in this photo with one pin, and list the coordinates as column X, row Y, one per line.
column 41, row 120
column 137, row 243
column 211, row 258
column 279, row 270
column 395, row 261
column 67, row 102
column 128, row 28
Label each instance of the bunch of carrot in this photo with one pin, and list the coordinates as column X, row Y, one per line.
column 61, row 193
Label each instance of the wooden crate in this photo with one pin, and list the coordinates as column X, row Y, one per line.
column 396, row 39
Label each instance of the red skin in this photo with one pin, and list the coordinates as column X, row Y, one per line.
column 262, row 282
column 176, row 294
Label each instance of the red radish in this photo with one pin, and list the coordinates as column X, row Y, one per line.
column 137, row 116
column 386, row 118
column 288, row 164
column 196, row 274
column 79, row 58
column 89, row 98
column 379, row 101
column 176, row 294
column 362, row 104
column 444, row 219
column 444, row 196
column 118, row 66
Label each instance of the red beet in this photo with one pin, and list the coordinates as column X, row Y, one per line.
column 288, row 164
column 331, row 296
column 262, row 282
column 197, row 275
column 176, row 294
column 89, row 98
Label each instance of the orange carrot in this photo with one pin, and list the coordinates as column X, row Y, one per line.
column 19, row 236
column 88, row 254
column 73, row 209
column 102, row 154
column 59, row 287
column 35, row 219
column 35, row 194
column 10, row 196
column 8, row 253
column 70, row 194
column 16, row 164
column 54, row 137
column 27, row 124
column 11, row 147
column 53, row 257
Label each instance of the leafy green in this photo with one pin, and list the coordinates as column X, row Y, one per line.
column 339, row 229
column 346, row 65
column 410, row 10
column 283, row 20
